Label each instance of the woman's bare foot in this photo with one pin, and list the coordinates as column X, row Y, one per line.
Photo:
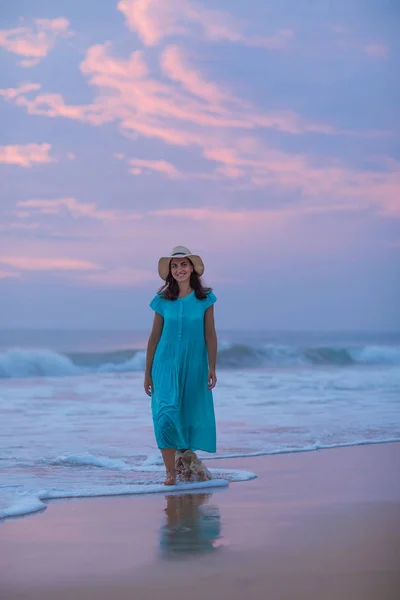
column 170, row 479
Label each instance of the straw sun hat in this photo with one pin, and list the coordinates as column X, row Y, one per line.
column 179, row 252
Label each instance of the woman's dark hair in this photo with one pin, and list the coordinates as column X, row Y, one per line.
column 170, row 289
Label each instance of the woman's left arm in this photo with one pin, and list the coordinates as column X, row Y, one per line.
column 211, row 341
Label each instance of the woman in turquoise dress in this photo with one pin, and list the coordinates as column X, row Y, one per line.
column 181, row 359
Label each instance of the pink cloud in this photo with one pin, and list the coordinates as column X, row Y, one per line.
column 24, row 88
column 99, row 61
column 177, row 137
column 76, row 209
column 140, row 166
column 268, row 168
column 29, row 62
column 35, row 41
column 278, row 41
column 142, row 17
column 212, row 215
column 8, row 274
column 143, row 103
column 379, row 189
column 158, row 166
column 19, row 226
column 376, row 50
column 229, row 172
column 290, row 122
column 53, row 105
column 175, row 67
column 29, row 263
column 348, row 40
column 25, row 156
column 154, row 20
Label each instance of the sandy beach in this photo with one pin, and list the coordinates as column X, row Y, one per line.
column 322, row 524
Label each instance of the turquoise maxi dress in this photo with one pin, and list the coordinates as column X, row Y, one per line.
column 182, row 407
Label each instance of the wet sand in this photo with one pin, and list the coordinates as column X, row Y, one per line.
column 323, row 525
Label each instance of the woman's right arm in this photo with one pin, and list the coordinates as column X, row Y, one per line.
column 151, row 348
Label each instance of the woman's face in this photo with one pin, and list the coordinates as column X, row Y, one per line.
column 181, row 269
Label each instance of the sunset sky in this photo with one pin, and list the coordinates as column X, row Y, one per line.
column 262, row 135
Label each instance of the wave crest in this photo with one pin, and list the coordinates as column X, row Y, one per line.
column 19, row 363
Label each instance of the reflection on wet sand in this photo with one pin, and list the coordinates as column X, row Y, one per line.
column 192, row 527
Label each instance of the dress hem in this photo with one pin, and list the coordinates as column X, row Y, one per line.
column 182, row 449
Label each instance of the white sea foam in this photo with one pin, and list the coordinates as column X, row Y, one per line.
column 376, row 355
column 35, row 363
column 233, row 474
column 153, row 460
column 135, row 489
column 31, row 502
column 25, row 505
column 137, row 363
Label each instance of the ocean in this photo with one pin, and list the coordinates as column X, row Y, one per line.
column 75, row 421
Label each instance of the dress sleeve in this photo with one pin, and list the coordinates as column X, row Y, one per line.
column 211, row 298
column 157, row 305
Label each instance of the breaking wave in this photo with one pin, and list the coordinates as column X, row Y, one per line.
column 21, row 363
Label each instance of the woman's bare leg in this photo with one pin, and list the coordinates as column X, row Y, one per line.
column 168, row 455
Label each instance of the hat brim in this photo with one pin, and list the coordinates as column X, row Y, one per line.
column 163, row 264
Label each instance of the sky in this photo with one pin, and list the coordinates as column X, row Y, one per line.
column 262, row 135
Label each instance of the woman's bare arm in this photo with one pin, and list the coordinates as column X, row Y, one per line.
column 154, row 337
column 211, row 341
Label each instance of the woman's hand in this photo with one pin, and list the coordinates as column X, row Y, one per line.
column 148, row 384
column 212, row 379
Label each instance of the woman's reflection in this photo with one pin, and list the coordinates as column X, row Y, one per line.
column 191, row 527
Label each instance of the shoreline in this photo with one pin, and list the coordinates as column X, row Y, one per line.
column 41, row 502
column 312, row 525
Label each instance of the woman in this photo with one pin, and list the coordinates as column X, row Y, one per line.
column 181, row 359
